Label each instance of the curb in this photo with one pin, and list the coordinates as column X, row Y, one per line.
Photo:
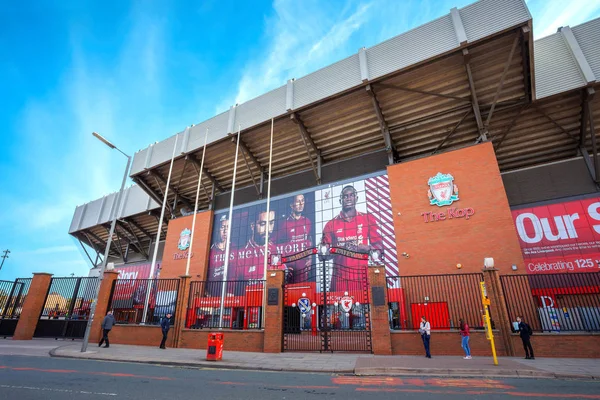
column 468, row 373
column 199, row 365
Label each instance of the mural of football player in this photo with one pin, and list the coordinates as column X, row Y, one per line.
column 217, row 252
column 250, row 261
column 351, row 230
column 294, row 235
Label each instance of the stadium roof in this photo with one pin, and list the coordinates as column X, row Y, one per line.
column 463, row 78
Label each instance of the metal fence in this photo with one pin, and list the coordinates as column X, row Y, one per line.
column 441, row 299
column 129, row 297
column 70, row 298
column 554, row 302
column 242, row 304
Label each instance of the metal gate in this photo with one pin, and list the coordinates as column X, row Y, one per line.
column 67, row 308
column 12, row 296
column 326, row 303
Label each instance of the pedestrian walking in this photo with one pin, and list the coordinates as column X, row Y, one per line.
column 525, row 332
column 425, row 331
column 464, row 333
column 107, row 324
column 165, row 325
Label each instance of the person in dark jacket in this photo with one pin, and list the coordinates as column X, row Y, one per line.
column 107, row 324
column 165, row 325
column 525, row 333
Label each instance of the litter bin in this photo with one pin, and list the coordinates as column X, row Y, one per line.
column 214, row 348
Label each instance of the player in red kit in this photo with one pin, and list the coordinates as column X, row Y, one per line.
column 353, row 231
column 294, row 235
column 250, row 260
column 217, row 259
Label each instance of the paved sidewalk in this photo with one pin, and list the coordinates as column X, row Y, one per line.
column 359, row 364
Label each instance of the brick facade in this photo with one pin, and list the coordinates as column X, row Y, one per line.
column 33, row 306
column 490, row 232
column 174, row 260
column 233, row 340
column 273, row 337
column 106, row 286
column 380, row 331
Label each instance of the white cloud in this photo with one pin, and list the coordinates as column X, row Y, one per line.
column 302, row 37
column 548, row 16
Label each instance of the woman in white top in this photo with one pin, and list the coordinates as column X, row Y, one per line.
column 425, row 331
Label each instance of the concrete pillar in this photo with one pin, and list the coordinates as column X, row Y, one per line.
column 380, row 330
column 273, row 336
column 33, row 306
column 181, row 308
column 498, row 310
column 104, row 299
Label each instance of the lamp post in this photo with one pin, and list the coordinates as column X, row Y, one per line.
column 108, row 241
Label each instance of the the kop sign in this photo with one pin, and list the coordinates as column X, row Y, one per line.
column 443, row 192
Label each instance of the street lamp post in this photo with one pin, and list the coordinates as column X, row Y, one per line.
column 108, row 242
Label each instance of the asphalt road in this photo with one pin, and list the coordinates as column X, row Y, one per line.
column 42, row 378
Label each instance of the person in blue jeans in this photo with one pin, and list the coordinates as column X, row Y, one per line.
column 165, row 325
column 464, row 333
column 425, row 331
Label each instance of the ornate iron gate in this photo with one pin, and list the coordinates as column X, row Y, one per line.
column 67, row 308
column 326, row 303
column 12, row 296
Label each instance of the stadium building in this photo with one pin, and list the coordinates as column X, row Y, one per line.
column 459, row 140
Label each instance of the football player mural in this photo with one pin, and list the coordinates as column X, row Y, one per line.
column 354, row 215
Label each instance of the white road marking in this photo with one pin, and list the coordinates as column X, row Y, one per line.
column 56, row 390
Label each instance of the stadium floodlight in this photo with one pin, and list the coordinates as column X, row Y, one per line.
column 114, row 216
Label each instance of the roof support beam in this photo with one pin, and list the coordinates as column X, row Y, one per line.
column 594, row 147
column 86, row 252
column 120, row 245
column 480, row 126
column 139, row 228
column 95, row 237
column 588, row 163
column 258, row 190
column 404, row 89
column 307, row 140
column 206, row 173
column 549, row 118
column 588, row 96
column 451, row 132
column 208, row 197
column 137, row 244
column 502, row 78
column 573, row 45
column 254, row 160
column 526, row 61
column 140, row 182
column 509, row 127
column 182, row 199
column 156, row 215
column 385, row 130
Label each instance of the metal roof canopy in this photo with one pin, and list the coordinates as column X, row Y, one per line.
column 459, row 77
column 414, row 112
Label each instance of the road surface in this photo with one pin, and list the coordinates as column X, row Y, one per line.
column 43, row 378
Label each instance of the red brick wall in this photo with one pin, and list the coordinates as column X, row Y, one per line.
column 233, row 340
column 172, row 268
column 444, row 344
column 568, row 345
column 106, row 285
column 141, row 335
column 33, row 306
column 436, row 247
column 273, row 337
column 380, row 331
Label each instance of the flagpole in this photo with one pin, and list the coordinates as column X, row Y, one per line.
column 227, row 245
column 156, row 243
column 266, row 254
column 189, row 256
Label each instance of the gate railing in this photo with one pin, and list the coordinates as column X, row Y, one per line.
column 69, row 298
column 441, row 299
column 242, row 304
column 564, row 302
column 128, row 299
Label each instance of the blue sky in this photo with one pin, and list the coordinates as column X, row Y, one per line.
column 137, row 72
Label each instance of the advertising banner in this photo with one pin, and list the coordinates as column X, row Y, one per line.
column 561, row 237
column 355, row 215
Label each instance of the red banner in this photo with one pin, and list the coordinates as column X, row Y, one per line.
column 562, row 237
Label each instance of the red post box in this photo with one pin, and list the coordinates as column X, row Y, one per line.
column 214, row 348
